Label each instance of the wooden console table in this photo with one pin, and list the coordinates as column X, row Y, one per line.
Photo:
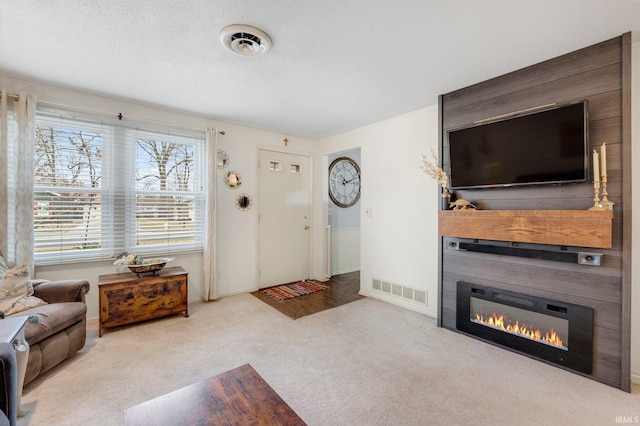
column 127, row 298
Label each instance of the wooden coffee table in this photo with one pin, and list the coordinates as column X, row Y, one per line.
column 237, row 397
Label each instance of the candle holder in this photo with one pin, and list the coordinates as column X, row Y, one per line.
column 606, row 203
column 596, row 196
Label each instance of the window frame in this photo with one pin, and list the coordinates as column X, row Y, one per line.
column 118, row 189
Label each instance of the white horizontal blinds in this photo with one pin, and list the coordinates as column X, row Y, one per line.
column 68, row 191
column 119, row 180
column 101, row 189
column 168, row 197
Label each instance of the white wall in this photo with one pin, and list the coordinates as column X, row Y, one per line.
column 345, row 250
column 236, row 229
column 399, row 242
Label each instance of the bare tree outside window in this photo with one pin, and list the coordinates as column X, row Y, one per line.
column 163, row 175
column 101, row 189
column 67, row 173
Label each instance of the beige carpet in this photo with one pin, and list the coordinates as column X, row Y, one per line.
column 363, row 363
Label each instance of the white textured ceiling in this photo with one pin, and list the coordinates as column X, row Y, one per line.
column 334, row 65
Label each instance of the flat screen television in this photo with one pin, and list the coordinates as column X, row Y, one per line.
column 548, row 146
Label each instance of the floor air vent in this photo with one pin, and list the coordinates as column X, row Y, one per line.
column 400, row 291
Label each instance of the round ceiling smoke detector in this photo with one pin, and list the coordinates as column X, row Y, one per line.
column 245, row 40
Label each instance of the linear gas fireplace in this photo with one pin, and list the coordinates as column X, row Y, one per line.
column 558, row 332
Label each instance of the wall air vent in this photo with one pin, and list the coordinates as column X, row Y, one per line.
column 400, row 291
column 245, row 40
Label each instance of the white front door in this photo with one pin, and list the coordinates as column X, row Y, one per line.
column 284, row 218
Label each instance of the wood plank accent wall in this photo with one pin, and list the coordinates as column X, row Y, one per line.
column 600, row 74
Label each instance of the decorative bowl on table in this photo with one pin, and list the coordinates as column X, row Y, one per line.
column 152, row 265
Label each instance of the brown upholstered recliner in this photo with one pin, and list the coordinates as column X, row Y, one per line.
column 58, row 329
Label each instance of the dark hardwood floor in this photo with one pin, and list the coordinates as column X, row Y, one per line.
column 342, row 289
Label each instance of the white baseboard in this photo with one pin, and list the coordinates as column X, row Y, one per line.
column 399, row 302
column 235, row 293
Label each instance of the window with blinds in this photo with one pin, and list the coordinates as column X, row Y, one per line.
column 102, row 189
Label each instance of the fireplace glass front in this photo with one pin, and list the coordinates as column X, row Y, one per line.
column 550, row 330
column 530, row 325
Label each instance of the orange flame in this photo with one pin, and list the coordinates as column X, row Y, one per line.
column 499, row 321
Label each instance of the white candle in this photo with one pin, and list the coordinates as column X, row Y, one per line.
column 596, row 167
column 603, row 160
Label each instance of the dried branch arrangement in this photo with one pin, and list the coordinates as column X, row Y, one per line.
column 433, row 169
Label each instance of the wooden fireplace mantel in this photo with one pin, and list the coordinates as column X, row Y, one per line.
column 580, row 228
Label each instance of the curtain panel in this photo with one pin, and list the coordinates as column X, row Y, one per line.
column 209, row 260
column 17, row 133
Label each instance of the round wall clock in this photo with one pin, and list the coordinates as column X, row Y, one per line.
column 344, row 182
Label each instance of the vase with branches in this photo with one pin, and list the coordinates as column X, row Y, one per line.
column 431, row 166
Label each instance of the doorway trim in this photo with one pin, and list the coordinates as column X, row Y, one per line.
column 328, row 229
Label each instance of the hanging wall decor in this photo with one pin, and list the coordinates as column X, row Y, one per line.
column 232, row 180
column 244, row 202
column 223, row 159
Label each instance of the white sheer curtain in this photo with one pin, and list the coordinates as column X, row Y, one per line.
column 17, row 132
column 209, row 261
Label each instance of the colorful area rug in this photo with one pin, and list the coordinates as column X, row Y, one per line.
column 289, row 291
